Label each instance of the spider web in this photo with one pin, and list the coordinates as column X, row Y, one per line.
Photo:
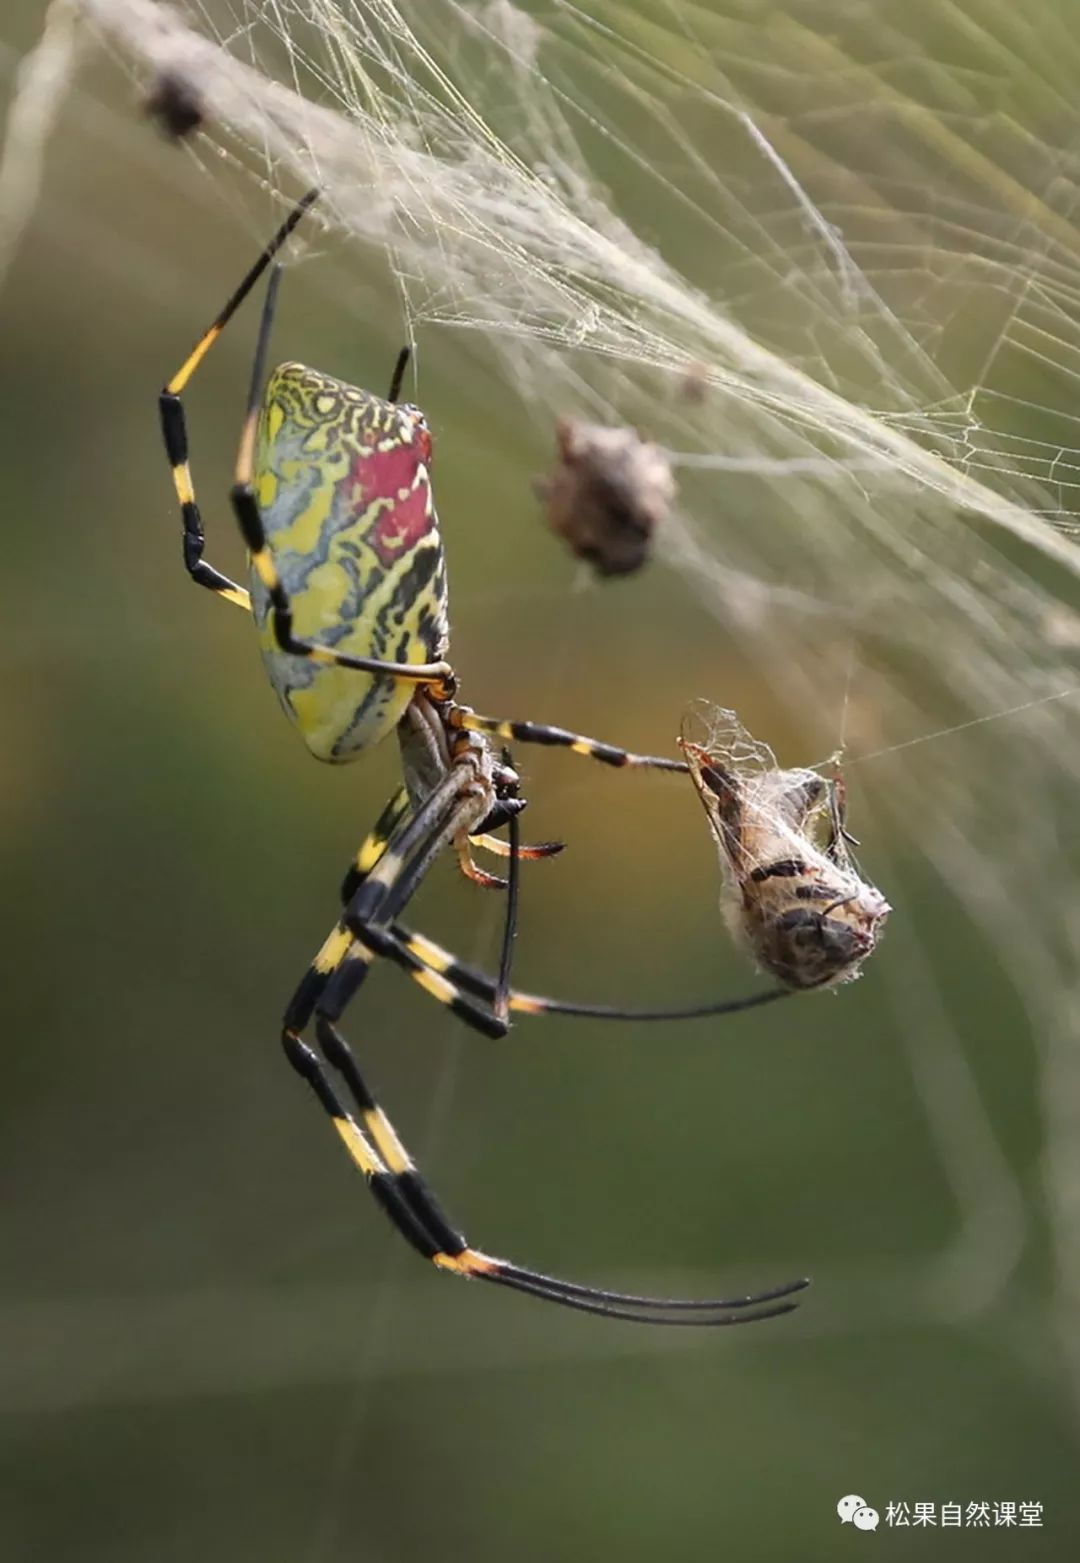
column 865, row 256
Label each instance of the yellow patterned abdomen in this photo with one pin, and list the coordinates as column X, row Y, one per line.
column 342, row 483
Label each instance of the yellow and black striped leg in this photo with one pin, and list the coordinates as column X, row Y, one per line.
column 174, row 429
column 453, row 982
column 347, row 954
column 384, row 851
column 386, row 872
column 372, row 1145
column 337, row 944
column 560, row 738
column 335, row 976
column 410, row 1204
column 398, row 1186
column 400, row 1189
column 375, row 843
column 337, row 973
column 391, row 884
column 420, row 956
column 334, row 952
column 372, row 941
column 453, row 808
column 490, row 1018
column 389, row 1187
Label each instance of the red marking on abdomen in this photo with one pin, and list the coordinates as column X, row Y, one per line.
column 381, row 475
column 401, row 528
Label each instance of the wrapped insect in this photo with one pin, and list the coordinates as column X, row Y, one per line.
column 609, row 491
column 792, row 892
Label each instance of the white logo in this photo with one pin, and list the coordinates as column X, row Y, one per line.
column 854, row 1510
column 977, row 1513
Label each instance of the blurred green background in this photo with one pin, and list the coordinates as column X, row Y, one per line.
column 215, row 1346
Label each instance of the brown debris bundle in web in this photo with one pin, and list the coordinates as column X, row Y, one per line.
column 175, row 104
column 609, row 491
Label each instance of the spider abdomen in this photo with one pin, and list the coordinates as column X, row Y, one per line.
column 343, row 488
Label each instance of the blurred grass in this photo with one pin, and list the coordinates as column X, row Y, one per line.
column 214, row 1347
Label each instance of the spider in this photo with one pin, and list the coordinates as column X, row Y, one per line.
column 348, row 590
